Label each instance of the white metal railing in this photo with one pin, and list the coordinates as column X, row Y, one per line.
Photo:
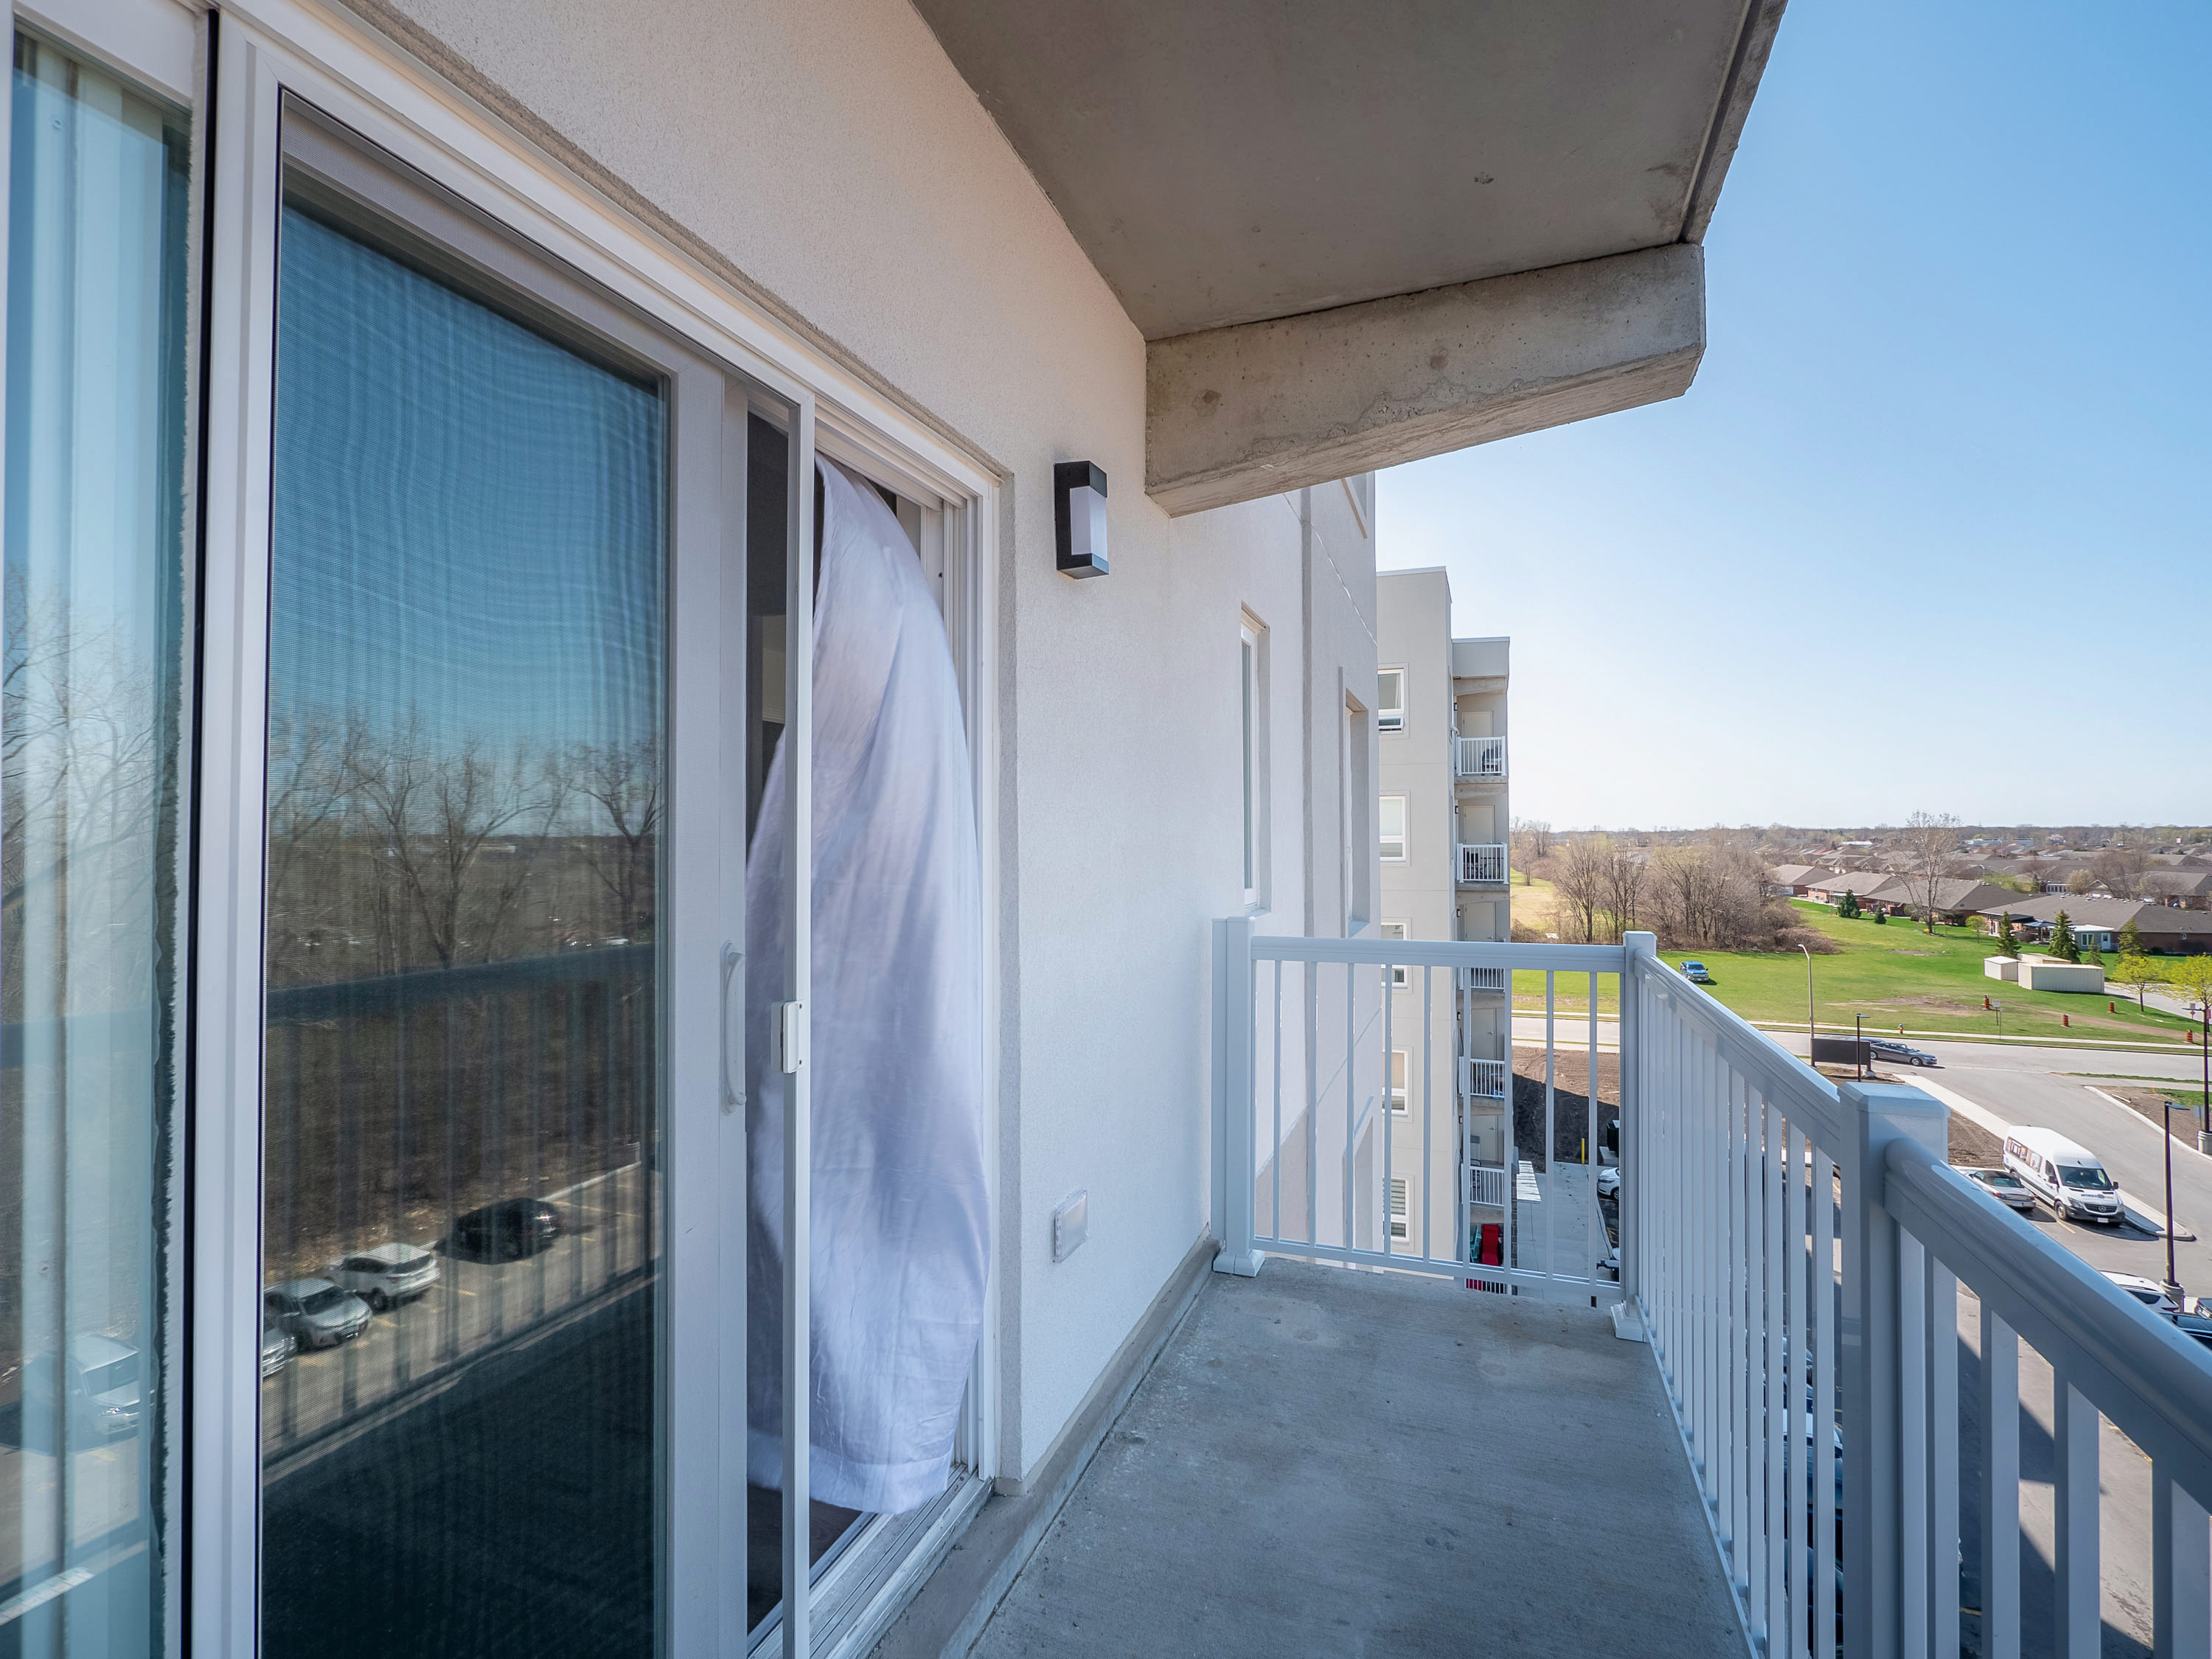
column 1485, row 981
column 1793, row 1250
column 1485, row 1185
column 1482, row 1079
column 1794, row 1244
column 1479, row 757
column 1481, row 864
column 1316, row 1154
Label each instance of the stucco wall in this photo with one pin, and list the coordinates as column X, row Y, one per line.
column 828, row 151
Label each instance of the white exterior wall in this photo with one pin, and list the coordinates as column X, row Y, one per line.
column 826, row 160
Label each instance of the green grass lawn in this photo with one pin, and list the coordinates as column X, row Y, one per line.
column 1894, row 974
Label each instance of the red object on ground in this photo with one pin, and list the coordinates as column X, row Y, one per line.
column 2065, row 1019
column 1492, row 1251
column 1985, row 1008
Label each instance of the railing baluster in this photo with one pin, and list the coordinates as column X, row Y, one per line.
column 2181, row 1586
column 1819, row 1306
column 2077, row 1611
column 1550, row 1201
column 1351, row 1106
column 1913, row 1485
column 1943, row 1573
column 1999, row 1408
column 1785, row 1359
column 1275, row 1141
column 1389, row 1129
column 1313, row 1101
column 1428, row 1112
column 1734, row 1408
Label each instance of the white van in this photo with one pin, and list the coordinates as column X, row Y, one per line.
column 2067, row 1178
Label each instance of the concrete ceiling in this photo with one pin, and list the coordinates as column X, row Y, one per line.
column 1226, row 161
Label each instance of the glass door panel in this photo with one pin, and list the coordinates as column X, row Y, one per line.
column 88, row 721
column 467, row 888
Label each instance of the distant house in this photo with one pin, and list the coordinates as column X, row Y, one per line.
column 1956, row 897
column 1876, row 889
column 1790, row 880
column 2182, row 889
column 2097, row 923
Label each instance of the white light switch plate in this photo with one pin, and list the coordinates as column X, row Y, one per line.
column 1071, row 1225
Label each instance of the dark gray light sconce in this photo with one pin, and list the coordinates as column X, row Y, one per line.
column 1079, row 518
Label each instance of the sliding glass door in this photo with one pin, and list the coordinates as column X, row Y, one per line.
column 93, row 602
column 503, row 875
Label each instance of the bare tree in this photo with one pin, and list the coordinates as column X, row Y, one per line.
column 1532, row 842
column 1582, row 877
column 1625, row 875
column 1929, row 846
column 2120, row 870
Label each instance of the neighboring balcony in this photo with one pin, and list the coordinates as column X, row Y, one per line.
column 1483, row 1080
column 1483, row 982
column 1479, row 758
column 1481, row 864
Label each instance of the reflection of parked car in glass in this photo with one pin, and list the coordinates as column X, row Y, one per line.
column 387, row 1275
column 508, row 1230
column 315, row 1311
column 100, row 1385
column 277, row 1348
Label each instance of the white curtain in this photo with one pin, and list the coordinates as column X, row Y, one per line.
column 899, row 1205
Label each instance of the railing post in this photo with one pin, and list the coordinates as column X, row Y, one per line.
column 1236, row 1170
column 1871, row 1374
column 1638, row 950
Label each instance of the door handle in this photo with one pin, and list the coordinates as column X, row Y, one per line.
column 732, row 1097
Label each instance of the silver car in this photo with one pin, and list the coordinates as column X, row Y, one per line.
column 315, row 1311
column 386, row 1275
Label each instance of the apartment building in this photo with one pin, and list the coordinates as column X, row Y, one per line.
column 1441, row 716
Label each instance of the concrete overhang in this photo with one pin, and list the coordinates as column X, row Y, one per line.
column 1302, row 205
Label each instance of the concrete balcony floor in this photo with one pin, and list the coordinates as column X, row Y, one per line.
column 1347, row 1463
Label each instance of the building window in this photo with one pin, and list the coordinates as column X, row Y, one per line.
column 1400, row 1224
column 1391, row 817
column 1390, row 700
column 1390, row 930
column 1397, row 1089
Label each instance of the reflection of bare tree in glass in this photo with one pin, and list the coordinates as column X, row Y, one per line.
column 82, row 788
column 438, row 814
column 624, row 780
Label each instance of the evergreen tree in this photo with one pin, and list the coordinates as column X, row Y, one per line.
column 1849, row 909
column 2131, row 943
column 2007, row 941
column 1881, row 917
column 2062, row 940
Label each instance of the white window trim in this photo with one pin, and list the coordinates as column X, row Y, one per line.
column 1405, row 829
column 268, row 47
column 1388, row 720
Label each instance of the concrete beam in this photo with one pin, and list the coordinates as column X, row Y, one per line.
column 1237, row 413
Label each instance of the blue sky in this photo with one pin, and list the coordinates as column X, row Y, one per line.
column 1931, row 529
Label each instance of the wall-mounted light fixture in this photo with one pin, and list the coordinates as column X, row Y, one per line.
column 1079, row 518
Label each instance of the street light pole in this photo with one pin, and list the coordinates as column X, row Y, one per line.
column 2173, row 1284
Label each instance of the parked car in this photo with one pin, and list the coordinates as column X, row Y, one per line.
column 1898, row 1054
column 2003, row 1186
column 2195, row 1325
column 316, row 1312
column 1695, row 973
column 386, row 1275
column 509, row 1230
column 1608, row 1182
column 97, row 1385
column 277, row 1347
column 2070, row 1179
column 2149, row 1291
